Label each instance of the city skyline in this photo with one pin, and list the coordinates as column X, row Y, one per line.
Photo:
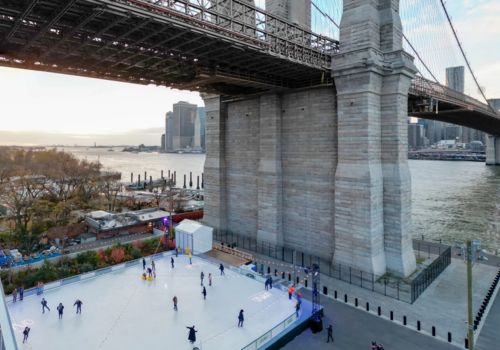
column 41, row 108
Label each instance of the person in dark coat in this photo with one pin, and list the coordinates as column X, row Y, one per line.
column 172, row 262
column 78, row 304
column 204, row 292
column 240, row 319
column 143, row 264
column 60, row 308
column 267, row 284
column 297, row 308
column 270, row 283
column 202, row 276
column 175, row 302
column 221, row 268
column 192, row 334
column 44, row 305
column 26, row 332
column 329, row 329
column 21, row 292
column 149, row 272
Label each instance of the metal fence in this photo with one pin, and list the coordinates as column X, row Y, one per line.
column 407, row 291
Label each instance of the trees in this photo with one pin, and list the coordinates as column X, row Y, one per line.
column 117, row 254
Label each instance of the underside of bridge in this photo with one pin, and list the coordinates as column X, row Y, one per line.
column 211, row 48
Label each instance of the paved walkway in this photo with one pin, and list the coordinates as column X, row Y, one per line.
column 489, row 338
column 354, row 329
column 108, row 241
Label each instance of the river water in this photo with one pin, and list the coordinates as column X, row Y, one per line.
column 451, row 200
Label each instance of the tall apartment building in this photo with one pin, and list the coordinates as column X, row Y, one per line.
column 169, row 131
column 415, row 136
column 184, row 117
column 163, row 142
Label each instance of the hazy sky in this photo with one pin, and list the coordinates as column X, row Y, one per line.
column 46, row 108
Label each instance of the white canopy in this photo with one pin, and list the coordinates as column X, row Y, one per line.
column 194, row 235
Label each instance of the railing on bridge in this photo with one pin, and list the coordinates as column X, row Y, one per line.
column 241, row 20
column 428, row 88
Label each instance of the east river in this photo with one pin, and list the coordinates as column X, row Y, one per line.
column 451, row 200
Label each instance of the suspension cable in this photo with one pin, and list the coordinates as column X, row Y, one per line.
column 465, row 57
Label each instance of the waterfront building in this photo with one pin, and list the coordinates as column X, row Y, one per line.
column 169, row 131
column 184, row 117
column 163, row 142
column 453, row 132
column 415, row 136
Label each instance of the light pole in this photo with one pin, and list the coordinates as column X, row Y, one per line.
column 470, row 323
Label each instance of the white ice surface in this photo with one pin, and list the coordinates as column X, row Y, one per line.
column 121, row 311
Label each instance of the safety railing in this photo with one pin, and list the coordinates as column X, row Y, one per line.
column 241, row 20
column 428, row 88
column 232, row 251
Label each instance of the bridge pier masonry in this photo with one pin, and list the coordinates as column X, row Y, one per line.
column 493, row 150
column 323, row 170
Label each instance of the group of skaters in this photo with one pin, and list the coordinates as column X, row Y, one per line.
column 269, row 283
column 20, row 291
column 151, row 271
column 376, row 346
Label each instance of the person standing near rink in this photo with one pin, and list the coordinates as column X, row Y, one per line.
column 240, row 319
column 209, row 279
column 190, row 256
column 143, row 264
column 290, row 292
column 329, row 329
column 204, row 292
column 172, row 262
column 175, row 302
column 60, row 308
column 78, row 304
column 221, row 268
column 14, row 295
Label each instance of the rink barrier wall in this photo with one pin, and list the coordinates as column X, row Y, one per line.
column 278, row 329
column 91, row 274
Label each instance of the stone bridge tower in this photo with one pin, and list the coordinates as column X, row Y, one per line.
column 372, row 75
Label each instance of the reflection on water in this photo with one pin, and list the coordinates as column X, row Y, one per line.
column 455, row 201
column 451, row 200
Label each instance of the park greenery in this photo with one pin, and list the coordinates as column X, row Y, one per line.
column 84, row 262
column 43, row 188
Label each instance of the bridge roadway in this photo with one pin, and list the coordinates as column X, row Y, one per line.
column 227, row 47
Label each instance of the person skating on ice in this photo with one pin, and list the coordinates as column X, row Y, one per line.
column 44, row 305
column 297, row 308
column 150, row 272
column 204, row 292
column 240, row 319
column 143, row 264
column 209, row 279
column 175, row 302
column 26, row 332
column 172, row 262
column 202, row 276
column 266, row 285
column 78, row 304
column 192, row 334
column 21, row 292
column 60, row 308
column 190, row 256
column 221, row 268
column 14, row 295
column 153, row 265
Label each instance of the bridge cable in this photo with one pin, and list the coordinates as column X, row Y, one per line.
column 465, row 57
column 404, row 36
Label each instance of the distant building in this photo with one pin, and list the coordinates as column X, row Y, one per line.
column 415, row 136
column 202, row 114
column 184, row 117
column 169, row 131
column 495, row 103
column 453, row 132
column 163, row 142
column 477, row 146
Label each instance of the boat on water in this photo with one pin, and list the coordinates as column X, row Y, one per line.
column 111, row 150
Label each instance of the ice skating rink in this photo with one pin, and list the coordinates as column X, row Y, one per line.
column 121, row 311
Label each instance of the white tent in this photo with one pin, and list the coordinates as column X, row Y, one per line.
column 192, row 234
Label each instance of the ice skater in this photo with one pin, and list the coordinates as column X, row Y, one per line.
column 60, row 308
column 267, row 284
column 44, row 305
column 176, row 252
column 26, row 332
column 290, row 292
column 150, row 272
column 175, row 302
column 143, row 264
column 297, row 308
column 209, row 279
column 78, row 304
column 21, row 292
column 202, row 276
column 172, row 262
column 204, row 292
column 221, row 268
column 240, row 319
column 270, row 283
column 38, row 289
column 41, row 287
column 190, row 256
column 192, row 334
column 329, row 329
column 154, row 274
column 14, row 295
column 153, row 265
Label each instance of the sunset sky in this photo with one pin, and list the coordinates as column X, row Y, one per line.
column 39, row 108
